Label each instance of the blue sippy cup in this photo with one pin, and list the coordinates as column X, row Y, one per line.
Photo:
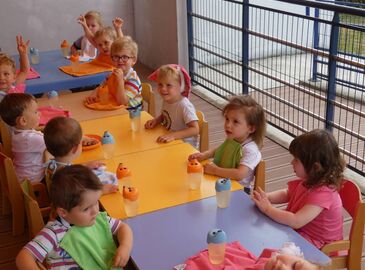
column 223, row 192
column 34, row 56
column 216, row 240
column 53, row 98
column 108, row 144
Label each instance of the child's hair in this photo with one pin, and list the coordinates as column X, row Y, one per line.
column 69, row 183
column 254, row 115
column 61, row 134
column 167, row 71
column 106, row 31
column 125, row 43
column 7, row 60
column 13, row 105
column 92, row 14
column 318, row 151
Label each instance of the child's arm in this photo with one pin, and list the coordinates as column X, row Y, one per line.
column 150, row 124
column 121, row 97
column 191, row 130
column 25, row 260
column 93, row 97
column 118, row 24
column 203, row 156
column 294, row 220
column 125, row 239
column 23, row 60
column 88, row 34
column 233, row 173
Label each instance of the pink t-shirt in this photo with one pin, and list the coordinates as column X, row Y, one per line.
column 328, row 225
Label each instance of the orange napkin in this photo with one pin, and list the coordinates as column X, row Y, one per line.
column 100, row 64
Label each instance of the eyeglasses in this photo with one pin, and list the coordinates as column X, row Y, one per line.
column 117, row 58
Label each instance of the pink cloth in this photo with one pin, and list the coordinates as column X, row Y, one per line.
column 236, row 258
column 47, row 113
column 20, row 88
column 327, row 226
column 32, row 74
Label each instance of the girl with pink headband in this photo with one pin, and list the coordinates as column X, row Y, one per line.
column 178, row 114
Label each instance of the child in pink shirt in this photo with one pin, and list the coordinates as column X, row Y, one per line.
column 314, row 204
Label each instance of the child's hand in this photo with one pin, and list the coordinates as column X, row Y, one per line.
column 109, row 188
column 81, row 20
column 118, row 22
column 121, row 257
column 150, row 124
column 91, row 99
column 210, row 168
column 166, row 138
column 95, row 164
column 22, row 47
column 198, row 156
column 261, row 200
column 119, row 75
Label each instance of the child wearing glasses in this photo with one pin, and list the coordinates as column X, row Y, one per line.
column 314, row 205
column 123, row 83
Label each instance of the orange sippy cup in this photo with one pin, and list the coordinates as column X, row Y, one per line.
column 195, row 173
column 65, row 48
column 74, row 59
column 130, row 198
column 124, row 174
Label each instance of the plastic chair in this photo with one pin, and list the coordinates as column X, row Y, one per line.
column 149, row 97
column 353, row 204
column 5, row 138
column 260, row 175
column 203, row 132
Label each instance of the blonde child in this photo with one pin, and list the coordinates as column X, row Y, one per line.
column 290, row 262
column 177, row 113
column 20, row 112
column 63, row 139
column 75, row 192
column 239, row 155
column 314, row 205
column 10, row 82
column 126, row 84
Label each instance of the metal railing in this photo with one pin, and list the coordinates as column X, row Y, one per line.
column 271, row 49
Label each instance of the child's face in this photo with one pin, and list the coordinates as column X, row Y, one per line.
column 104, row 43
column 236, row 127
column 298, row 168
column 169, row 90
column 93, row 25
column 30, row 117
column 85, row 213
column 7, row 77
column 123, row 60
column 289, row 262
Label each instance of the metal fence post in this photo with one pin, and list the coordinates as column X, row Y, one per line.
column 315, row 45
column 189, row 6
column 245, row 46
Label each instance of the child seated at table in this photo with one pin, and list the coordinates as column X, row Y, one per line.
column 10, row 82
column 124, row 85
column 63, row 138
column 178, row 114
column 80, row 236
column 314, row 205
column 288, row 262
column 20, row 112
column 239, row 155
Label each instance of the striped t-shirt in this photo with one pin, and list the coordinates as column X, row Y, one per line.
column 46, row 244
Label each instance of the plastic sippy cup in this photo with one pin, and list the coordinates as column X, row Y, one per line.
column 223, row 190
column 216, row 240
column 74, row 62
column 34, row 56
column 108, row 144
column 135, row 117
column 103, row 93
column 65, row 48
column 195, row 173
column 53, row 99
column 124, row 174
column 130, row 198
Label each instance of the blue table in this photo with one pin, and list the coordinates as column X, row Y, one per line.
column 166, row 238
column 54, row 79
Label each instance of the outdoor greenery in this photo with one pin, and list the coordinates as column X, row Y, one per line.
column 352, row 41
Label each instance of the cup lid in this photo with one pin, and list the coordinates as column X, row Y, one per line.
column 64, row 44
column 52, row 94
column 74, row 58
column 194, row 166
column 216, row 236
column 123, row 171
column 107, row 138
column 33, row 50
column 223, row 184
column 130, row 193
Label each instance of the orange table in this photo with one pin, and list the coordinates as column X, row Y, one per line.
column 126, row 140
column 161, row 178
column 73, row 102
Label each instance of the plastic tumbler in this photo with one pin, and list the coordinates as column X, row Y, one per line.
column 53, row 100
column 195, row 173
column 124, row 174
column 34, row 56
column 108, row 145
column 216, row 240
column 130, row 199
column 223, row 192
column 74, row 62
column 65, row 48
column 135, row 117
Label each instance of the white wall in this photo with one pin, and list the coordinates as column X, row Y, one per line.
column 47, row 22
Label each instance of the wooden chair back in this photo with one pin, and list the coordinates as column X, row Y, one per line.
column 5, row 138
column 203, row 132
column 260, row 175
column 355, row 206
column 149, row 97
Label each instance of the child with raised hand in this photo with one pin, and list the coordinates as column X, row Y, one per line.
column 314, row 205
column 178, row 114
column 63, row 139
column 20, row 112
column 123, row 83
column 10, row 82
column 75, row 192
column 239, row 155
